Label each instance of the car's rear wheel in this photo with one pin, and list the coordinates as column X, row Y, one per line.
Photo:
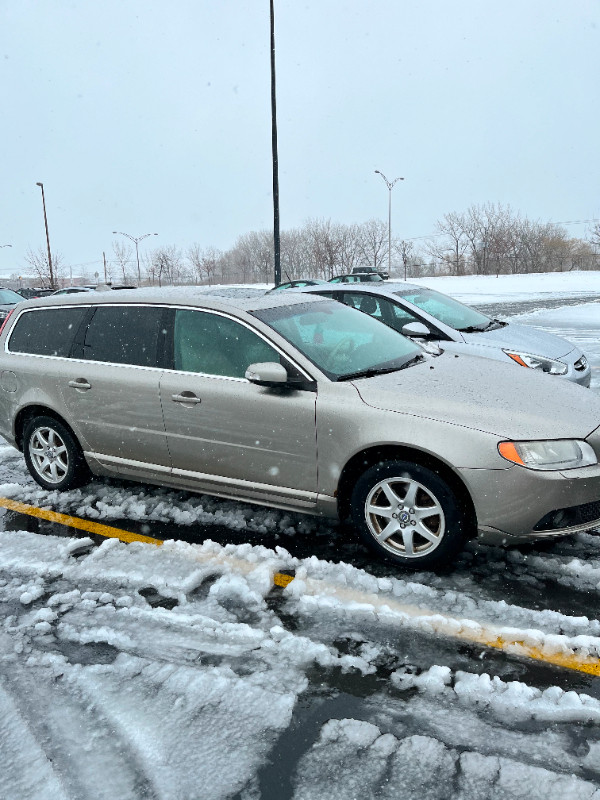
column 53, row 455
column 408, row 514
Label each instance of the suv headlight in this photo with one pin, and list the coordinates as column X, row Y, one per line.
column 548, row 455
column 549, row 365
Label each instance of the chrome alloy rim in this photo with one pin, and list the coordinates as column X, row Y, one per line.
column 49, row 455
column 404, row 517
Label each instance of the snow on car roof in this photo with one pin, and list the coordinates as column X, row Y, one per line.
column 173, row 295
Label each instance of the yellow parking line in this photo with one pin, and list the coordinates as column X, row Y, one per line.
column 487, row 635
column 281, row 579
column 76, row 522
column 480, row 633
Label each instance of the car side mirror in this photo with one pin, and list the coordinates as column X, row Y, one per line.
column 267, row 373
column 415, row 330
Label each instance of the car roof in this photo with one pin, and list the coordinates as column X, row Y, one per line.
column 385, row 287
column 173, row 295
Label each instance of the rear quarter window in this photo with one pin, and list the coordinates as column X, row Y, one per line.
column 46, row 331
column 125, row 335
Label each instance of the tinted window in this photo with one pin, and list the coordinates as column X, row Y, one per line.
column 46, row 331
column 124, row 335
column 216, row 345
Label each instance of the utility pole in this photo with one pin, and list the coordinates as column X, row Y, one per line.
column 276, row 235
column 52, row 286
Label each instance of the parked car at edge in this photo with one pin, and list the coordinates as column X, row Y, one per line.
column 427, row 315
column 357, row 277
column 300, row 403
column 8, row 300
column 361, row 270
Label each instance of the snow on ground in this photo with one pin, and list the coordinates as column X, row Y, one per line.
column 478, row 288
column 180, row 672
column 491, row 289
column 133, row 671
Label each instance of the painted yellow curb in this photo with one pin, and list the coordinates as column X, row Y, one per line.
column 77, row 522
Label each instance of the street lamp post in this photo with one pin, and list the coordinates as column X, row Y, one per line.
column 135, row 240
column 276, row 232
column 41, row 185
column 390, row 185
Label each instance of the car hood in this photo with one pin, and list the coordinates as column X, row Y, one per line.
column 523, row 338
column 503, row 399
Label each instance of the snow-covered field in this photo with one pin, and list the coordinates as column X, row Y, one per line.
column 182, row 673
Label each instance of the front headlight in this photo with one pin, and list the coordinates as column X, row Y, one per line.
column 549, row 365
column 557, row 455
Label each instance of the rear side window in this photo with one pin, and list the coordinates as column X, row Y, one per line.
column 124, row 335
column 46, row 331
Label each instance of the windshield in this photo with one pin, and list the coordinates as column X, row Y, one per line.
column 446, row 309
column 8, row 297
column 340, row 340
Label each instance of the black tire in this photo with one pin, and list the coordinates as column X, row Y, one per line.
column 421, row 524
column 53, row 455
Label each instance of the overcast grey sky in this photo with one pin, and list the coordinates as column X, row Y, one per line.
column 148, row 115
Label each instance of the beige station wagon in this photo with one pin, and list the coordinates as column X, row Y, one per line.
column 299, row 403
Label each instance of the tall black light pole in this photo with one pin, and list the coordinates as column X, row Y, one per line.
column 276, row 237
column 136, row 239
column 41, row 185
column 390, row 185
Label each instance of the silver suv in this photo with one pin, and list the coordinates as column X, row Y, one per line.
column 299, row 403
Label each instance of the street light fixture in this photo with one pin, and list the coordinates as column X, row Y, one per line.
column 136, row 239
column 390, row 185
column 52, row 286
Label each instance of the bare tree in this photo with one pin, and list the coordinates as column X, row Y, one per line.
column 406, row 252
column 374, row 243
column 164, row 265
column 38, row 261
column 450, row 243
column 594, row 236
column 124, row 257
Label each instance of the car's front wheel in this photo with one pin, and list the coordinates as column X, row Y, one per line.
column 408, row 514
column 53, row 455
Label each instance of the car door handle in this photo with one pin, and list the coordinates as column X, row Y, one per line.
column 188, row 398
column 80, row 383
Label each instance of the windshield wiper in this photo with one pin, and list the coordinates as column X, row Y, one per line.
column 491, row 325
column 370, row 373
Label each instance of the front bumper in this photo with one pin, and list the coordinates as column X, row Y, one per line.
column 518, row 505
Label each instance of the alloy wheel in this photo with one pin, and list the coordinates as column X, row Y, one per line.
column 49, row 454
column 405, row 517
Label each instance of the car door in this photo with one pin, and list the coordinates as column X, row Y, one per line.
column 225, row 434
column 111, row 389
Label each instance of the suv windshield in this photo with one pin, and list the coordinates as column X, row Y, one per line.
column 340, row 340
column 447, row 310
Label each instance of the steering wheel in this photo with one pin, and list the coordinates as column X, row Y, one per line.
column 343, row 349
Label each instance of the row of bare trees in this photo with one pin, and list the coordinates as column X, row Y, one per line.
column 487, row 239
column 492, row 239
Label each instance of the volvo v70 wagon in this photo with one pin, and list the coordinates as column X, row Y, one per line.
column 300, row 403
